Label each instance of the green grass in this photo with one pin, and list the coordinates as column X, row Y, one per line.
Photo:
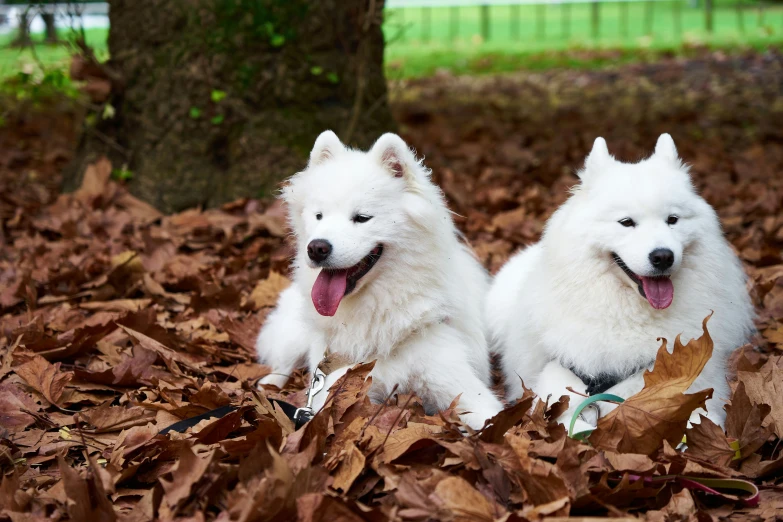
column 521, row 37
column 467, row 63
column 14, row 60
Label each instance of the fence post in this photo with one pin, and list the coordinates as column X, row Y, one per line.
column 740, row 17
column 596, row 22
column 454, row 25
column 624, row 18
column 708, row 15
column 678, row 18
column 485, row 22
column 649, row 18
column 426, row 23
column 400, row 13
column 515, row 21
column 540, row 21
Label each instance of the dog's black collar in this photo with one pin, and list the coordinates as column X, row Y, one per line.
column 603, row 381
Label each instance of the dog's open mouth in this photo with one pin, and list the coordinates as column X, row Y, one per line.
column 333, row 284
column 658, row 290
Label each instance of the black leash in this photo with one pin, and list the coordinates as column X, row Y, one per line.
column 299, row 416
column 289, row 409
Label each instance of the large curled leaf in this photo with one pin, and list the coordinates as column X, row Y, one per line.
column 661, row 410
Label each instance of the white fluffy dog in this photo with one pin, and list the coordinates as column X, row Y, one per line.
column 634, row 254
column 380, row 274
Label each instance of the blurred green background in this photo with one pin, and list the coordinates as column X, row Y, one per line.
column 468, row 36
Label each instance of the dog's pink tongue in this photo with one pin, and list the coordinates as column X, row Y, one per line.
column 329, row 290
column 659, row 291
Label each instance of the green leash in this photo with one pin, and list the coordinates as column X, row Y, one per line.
column 587, row 402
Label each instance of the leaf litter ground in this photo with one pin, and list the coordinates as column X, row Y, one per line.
column 116, row 321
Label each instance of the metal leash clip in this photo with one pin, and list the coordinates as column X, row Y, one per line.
column 302, row 415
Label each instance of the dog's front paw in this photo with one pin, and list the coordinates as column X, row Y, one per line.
column 274, row 379
column 580, row 426
column 587, row 420
column 474, row 420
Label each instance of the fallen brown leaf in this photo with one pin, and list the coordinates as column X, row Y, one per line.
column 45, row 377
column 766, row 387
column 707, row 441
column 744, row 422
column 351, row 466
column 661, row 410
column 462, row 500
column 189, row 469
column 267, row 290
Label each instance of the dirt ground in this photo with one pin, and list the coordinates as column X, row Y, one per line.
column 116, row 321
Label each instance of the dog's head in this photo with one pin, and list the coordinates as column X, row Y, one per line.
column 641, row 218
column 351, row 210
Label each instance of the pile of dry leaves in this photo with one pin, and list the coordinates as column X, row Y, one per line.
column 116, row 322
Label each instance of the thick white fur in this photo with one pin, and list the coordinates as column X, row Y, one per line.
column 417, row 312
column 564, row 302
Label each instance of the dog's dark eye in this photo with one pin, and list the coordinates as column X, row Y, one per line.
column 672, row 220
column 318, row 216
column 627, row 222
column 361, row 218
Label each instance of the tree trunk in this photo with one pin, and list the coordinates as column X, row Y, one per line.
column 219, row 99
column 51, row 27
column 23, row 36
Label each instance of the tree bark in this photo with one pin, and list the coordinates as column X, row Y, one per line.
column 23, row 36
column 51, row 27
column 215, row 100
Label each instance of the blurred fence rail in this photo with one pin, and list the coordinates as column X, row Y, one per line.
column 560, row 22
column 87, row 8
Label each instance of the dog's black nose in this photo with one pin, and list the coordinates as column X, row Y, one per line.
column 662, row 258
column 318, row 250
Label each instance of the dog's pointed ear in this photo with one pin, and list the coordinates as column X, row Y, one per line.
column 665, row 148
column 394, row 155
column 596, row 160
column 326, row 147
